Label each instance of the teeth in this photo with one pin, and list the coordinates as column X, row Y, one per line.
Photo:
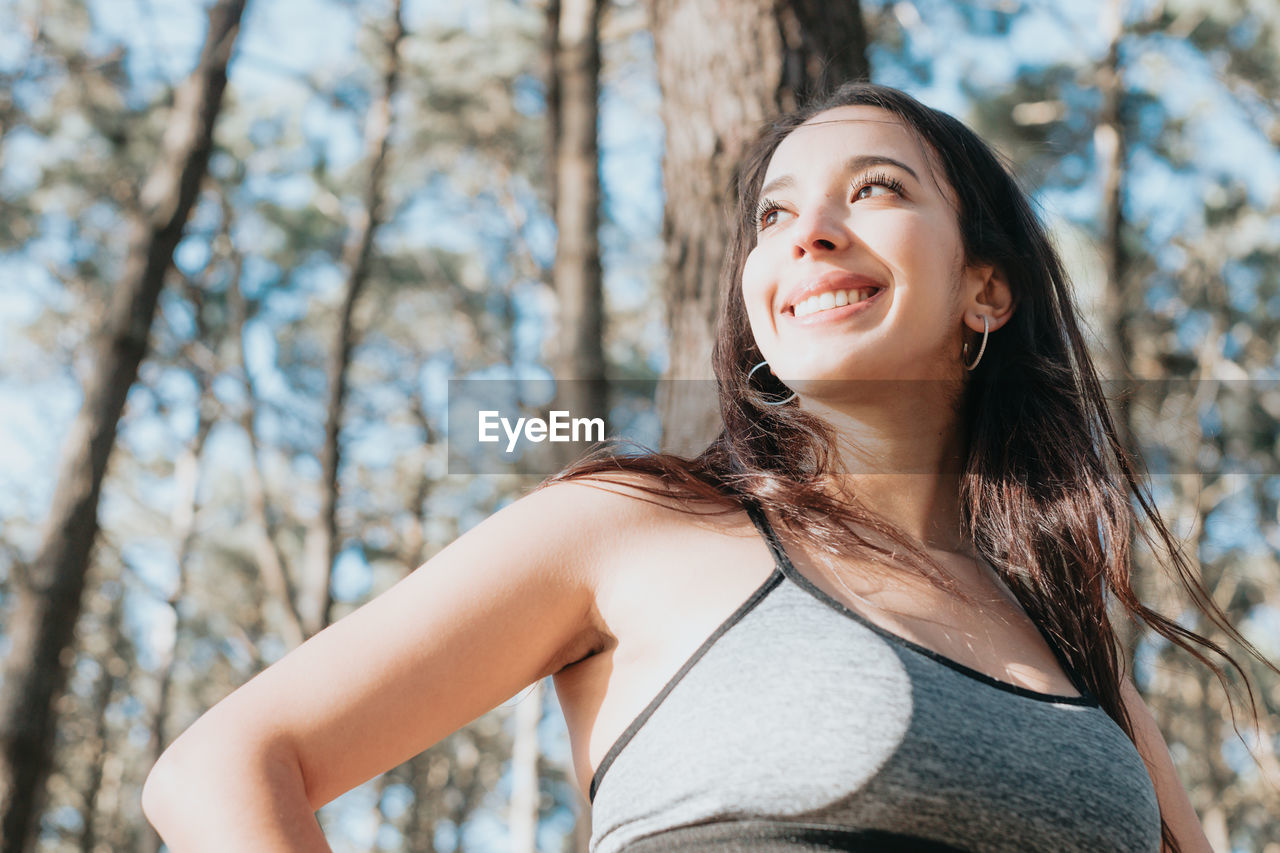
column 831, row 299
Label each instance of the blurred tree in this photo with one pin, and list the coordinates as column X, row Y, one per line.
column 270, row 557
column 199, row 352
column 261, row 268
column 729, row 65
column 49, row 598
column 574, row 115
column 1176, row 372
column 577, row 351
column 526, row 796
column 87, row 777
column 317, row 597
column 1183, row 297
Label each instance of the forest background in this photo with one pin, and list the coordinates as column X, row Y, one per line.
column 244, row 248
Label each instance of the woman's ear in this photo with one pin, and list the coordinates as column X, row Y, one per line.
column 989, row 295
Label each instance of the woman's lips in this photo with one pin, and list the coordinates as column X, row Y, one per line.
column 829, row 315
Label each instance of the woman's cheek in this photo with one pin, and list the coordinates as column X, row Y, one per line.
column 754, row 295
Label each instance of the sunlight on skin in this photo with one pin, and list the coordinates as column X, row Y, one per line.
column 852, row 199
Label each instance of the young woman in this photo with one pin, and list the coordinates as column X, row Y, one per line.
column 870, row 616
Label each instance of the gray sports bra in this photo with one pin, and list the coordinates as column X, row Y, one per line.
column 799, row 725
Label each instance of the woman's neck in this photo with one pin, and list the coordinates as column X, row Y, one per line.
column 902, row 457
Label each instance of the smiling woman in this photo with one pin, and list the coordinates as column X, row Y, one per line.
column 932, row 442
column 880, row 229
column 872, row 615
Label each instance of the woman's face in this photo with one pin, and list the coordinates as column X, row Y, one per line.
column 858, row 269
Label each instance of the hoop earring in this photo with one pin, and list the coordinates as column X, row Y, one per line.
column 964, row 351
column 766, row 402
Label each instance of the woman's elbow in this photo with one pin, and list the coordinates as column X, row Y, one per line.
column 212, row 790
column 189, row 772
column 162, row 781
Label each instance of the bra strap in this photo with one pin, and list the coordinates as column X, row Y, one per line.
column 761, row 521
column 1067, row 668
column 1070, row 671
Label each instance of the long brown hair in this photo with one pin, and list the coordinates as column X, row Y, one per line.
column 1049, row 495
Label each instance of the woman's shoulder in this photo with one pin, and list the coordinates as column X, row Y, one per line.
column 614, row 515
column 650, row 553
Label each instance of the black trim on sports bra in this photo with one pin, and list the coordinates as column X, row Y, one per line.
column 774, row 579
column 767, row 836
column 784, row 563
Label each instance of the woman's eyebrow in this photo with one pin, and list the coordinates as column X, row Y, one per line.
column 853, row 164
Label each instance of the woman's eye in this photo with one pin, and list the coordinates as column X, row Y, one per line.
column 872, row 186
column 768, row 214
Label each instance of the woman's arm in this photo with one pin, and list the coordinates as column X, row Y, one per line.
column 1175, row 805
column 504, row 605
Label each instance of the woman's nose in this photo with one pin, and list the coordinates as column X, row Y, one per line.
column 819, row 230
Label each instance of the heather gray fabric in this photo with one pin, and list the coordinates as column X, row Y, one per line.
column 799, row 725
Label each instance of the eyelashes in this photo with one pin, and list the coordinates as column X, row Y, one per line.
column 767, row 207
column 879, row 179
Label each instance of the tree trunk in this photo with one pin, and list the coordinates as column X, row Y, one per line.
column 272, row 565
column 551, row 48
column 322, row 550
column 113, row 666
column 420, row 832
column 525, row 795
column 724, row 67
column 49, row 596
column 1110, row 143
column 579, row 361
column 187, row 477
column 573, row 97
